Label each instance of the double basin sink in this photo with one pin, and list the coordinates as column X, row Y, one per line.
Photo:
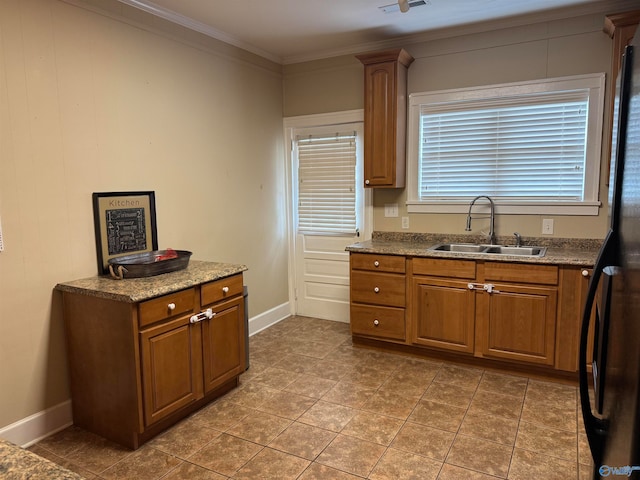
column 528, row 251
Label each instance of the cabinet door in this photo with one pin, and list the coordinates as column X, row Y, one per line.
column 443, row 314
column 380, row 124
column 517, row 323
column 223, row 343
column 171, row 373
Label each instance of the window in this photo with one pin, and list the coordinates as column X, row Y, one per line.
column 326, row 183
column 534, row 147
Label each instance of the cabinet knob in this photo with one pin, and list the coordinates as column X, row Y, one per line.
column 366, row 182
column 171, row 306
column 376, row 263
column 585, row 273
column 376, row 289
column 376, row 322
column 225, row 289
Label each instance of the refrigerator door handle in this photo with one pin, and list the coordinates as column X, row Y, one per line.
column 595, row 427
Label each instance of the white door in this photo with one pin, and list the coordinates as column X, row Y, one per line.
column 329, row 206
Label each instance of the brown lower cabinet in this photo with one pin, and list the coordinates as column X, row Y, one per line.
column 137, row 368
column 517, row 314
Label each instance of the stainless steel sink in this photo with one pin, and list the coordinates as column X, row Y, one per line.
column 528, row 251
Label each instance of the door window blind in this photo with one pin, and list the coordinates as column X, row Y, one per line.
column 519, row 148
column 326, row 177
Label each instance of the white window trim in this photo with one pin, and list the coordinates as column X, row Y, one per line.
column 590, row 206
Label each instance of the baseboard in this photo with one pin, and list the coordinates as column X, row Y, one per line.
column 35, row 427
column 40, row 425
column 268, row 318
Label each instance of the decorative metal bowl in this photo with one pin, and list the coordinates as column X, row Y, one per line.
column 148, row 264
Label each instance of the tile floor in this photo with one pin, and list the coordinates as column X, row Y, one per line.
column 312, row 407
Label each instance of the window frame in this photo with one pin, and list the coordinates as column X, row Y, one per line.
column 594, row 83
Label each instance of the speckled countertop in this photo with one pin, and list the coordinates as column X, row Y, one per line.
column 560, row 251
column 17, row 463
column 134, row 290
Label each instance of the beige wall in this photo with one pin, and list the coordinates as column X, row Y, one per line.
column 94, row 101
column 550, row 49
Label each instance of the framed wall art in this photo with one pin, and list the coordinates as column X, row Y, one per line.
column 125, row 224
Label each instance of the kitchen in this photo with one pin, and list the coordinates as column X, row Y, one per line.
column 93, row 89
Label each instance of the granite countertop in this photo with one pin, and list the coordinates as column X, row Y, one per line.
column 17, row 463
column 132, row 290
column 560, row 251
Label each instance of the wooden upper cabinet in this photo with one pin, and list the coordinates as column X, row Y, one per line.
column 621, row 27
column 385, row 117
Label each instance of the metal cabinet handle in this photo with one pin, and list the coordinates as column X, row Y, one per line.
column 376, row 322
column 171, row 306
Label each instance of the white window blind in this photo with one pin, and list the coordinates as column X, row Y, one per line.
column 518, row 148
column 327, row 176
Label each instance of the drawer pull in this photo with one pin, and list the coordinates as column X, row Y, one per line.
column 225, row 289
column 585, row 273
column 376, row 289
column 171, row 306
column 376, row 263
column 376, row 322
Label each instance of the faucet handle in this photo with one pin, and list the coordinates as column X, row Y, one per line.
column 518, row 239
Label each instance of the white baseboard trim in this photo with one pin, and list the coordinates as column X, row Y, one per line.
column 268, row 318
column 35, row 427
column 40, row 425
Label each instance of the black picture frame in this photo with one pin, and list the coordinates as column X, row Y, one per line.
column 125, row 224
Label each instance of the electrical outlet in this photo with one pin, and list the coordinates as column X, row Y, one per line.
column 547, row 226
column 405, row 222
column 390, row 209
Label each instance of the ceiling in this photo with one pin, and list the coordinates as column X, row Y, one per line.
column 292, row 31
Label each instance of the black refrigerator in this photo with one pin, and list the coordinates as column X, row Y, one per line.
column 611, row 400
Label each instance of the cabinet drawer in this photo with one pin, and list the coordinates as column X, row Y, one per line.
column 221, row 289
column 378, row 288
column 166, row 306
column 444, row 268
column 384, row 322
column 379, row 263
column 521, row 273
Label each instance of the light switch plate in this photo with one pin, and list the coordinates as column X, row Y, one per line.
column 547, row 226
column 390, row 209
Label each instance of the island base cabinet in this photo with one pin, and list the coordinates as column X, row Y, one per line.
column 517, row 323
column 443, row 314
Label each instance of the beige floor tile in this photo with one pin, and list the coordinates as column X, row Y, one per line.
column 221, row 414
column 554, row 395
column 315, row 471
column 225, row 454
column 251, row 395
column 548, row 441
column 560, row 418
column 329, row 416
column 399, row 465
column 452, row 472
column 184, row 439
column 147, row 463
column 401, row 385
column 503, row 384
column 463, row 377
column 391, row 404
column 448, row 393
column 296, row 363
column 349, row 394
column 330, row 369
column 286, row 404
column 585, row 472
column 527, row 465
column 44, row 453
column 491, row 403
column 480, row 455
column 365, row 375
column 272, row 464
column 424, row 441
column 351, row 455
column 312, row 349
column 303, row 440
column 190, row 471
column 489, row 427
column 437, row 415
column 70, row 439
column 584, row 452
column 97, row 454
column 374, row 428
column 311, row 386
column 260, row 428
column 277, row 378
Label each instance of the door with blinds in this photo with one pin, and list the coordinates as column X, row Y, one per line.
column 329, row 204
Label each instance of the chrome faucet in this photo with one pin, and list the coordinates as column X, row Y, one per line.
column 518, row 239
column 492, row 236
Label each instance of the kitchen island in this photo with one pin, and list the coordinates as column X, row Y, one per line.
column 145, row 352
